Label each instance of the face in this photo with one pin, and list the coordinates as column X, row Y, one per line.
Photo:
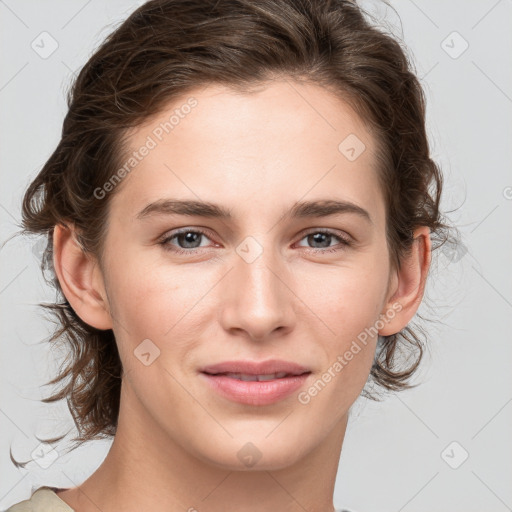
column 189, row 289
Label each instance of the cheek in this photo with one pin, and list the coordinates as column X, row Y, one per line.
column 349, row 308
column 163, row 303
column 349, row 354
column 347, row 299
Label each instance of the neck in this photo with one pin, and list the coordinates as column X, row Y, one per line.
column 145, row 469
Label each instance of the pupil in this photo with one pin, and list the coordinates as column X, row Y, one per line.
column 317, row 237
column 190, row 237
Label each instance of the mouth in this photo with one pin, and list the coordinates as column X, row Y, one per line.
column 255, row 383
column 246, row 377
column 275, row 367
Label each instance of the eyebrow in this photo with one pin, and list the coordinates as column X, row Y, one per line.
column 302, row 209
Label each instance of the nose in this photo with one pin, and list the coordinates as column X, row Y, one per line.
column 257, row 300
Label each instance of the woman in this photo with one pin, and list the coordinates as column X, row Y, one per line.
column 240, row 218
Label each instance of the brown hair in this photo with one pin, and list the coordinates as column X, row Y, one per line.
column 167, row 48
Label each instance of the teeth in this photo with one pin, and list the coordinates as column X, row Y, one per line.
column 245, row 377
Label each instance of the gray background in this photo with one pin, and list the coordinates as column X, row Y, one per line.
column 398, row 454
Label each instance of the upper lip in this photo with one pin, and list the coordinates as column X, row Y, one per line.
column 256, row 367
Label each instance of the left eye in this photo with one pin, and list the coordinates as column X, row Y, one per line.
column 322, row 236
column 189, row 240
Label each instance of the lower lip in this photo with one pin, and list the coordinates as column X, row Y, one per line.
column 255, row 392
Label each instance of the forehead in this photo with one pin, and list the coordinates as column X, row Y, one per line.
column 287, row 136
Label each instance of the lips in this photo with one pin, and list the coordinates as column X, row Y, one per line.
column 255, row 383
column 252, row 378
column 257, row 368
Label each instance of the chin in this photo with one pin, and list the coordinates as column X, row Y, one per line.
column 253, row 453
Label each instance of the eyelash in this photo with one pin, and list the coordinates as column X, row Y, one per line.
column 344, row 241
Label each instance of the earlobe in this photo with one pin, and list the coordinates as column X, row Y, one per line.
column 409, row 284
column 80, row 278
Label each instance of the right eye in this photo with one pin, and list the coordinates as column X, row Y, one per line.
column 185, row 237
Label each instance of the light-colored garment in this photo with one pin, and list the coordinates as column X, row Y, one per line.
column 45, row 499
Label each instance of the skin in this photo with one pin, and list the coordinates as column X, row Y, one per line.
column 177, row 440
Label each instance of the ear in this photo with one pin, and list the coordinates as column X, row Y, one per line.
column 80, row 278
column 408, row 284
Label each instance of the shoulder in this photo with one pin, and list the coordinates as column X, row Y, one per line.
column 43, row 499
